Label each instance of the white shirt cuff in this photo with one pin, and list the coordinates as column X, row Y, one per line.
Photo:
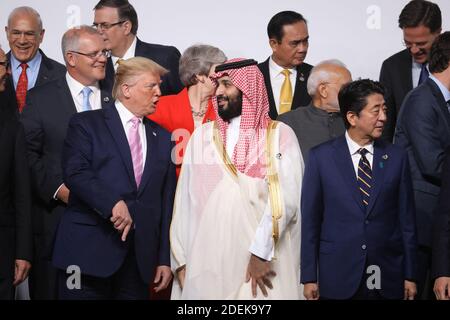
column 57, row 190
column 262, row 245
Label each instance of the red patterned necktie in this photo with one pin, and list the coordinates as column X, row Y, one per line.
column 22, row 87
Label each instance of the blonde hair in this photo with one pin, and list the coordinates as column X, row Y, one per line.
column 133, row 67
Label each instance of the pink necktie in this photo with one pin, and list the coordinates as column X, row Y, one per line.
column 134, row 140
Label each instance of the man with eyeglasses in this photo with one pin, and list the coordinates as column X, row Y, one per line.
column 15, row 202
column 45, row 118
column 29, row 65
column 421, row 23
column 285, row 72
column 117, row 22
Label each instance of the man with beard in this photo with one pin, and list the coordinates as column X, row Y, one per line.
column 15, row 200
column 30, row 67
column 421, row 23
column 45, row 119
column 236, row 223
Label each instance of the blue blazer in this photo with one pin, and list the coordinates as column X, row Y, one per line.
column 423, row 130
column 340, row 237
column 98, row 170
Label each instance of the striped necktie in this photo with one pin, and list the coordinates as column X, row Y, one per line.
column 364, row 176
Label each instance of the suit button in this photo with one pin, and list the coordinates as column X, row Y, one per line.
column 364, row 247
column 366, row 222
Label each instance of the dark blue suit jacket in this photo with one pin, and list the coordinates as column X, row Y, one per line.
column 423, row 129
column 166, row 56
column 340, row 237
column 98, row 170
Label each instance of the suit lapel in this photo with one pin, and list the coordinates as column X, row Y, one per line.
column 264, row 68
column 44, row 70
column 152, row 146
column 345, row 165
column 379, row 163
column 300, row 87
column 105, row 92
column 66, row 96
column 115, row 126
column 406, row 72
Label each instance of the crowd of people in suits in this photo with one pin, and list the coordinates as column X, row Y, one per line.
column 93, row 146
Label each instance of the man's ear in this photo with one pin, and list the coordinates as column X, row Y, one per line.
column 273, row 44
column 127, row 27
column 352, row 117
column 125, row 88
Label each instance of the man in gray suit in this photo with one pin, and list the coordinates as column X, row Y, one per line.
column 321, row 120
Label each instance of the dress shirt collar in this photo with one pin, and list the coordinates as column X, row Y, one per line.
column 33, row 64
column 445, row 92
column 124, row 114
column 76, row 87
column 130, row 53
column 353, row 147
column 276, row 70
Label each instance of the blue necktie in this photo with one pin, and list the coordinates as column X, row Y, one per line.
column 364, row 176
column 86, row 93
column 424, row 74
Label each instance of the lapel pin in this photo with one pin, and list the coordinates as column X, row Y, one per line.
column 278, row 156
column 385, row 157
column 302, row 77
column 154, row 133
column 106, row 99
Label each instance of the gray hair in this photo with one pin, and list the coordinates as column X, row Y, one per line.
column 71, row 38
column 319, row 74
column 198, row 60
column 26, row 10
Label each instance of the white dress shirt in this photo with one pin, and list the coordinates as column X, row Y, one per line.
column 277, row 79
column 353, row 147
column 130, row 53
column 125, row 117
column 76, row 89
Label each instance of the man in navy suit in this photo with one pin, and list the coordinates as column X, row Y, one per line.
column 421, row 23
column 25, row 33
column 117, row 21
column 289, row 41
column 423, row 129
column 358, row 223
column 118, row 166
column 45, row 118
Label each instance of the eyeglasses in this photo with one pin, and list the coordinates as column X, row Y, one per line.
column 5, row 64
column 29, row 35
column 95, row 55
column 105, row 25
column 419, row 45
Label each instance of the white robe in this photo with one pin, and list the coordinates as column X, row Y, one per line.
column 217, row 212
